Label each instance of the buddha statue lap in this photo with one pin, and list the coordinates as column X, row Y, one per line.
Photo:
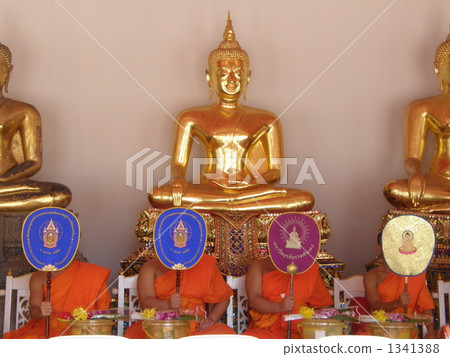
column 21, row 153
column 243, row 147
column 430, row 191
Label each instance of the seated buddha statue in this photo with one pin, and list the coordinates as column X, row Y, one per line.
column 21, row 153
column 427, row 191
column 242, row 146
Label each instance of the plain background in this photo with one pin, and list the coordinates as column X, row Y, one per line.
column 109, row 76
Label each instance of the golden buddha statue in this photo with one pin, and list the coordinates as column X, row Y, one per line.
column 243, row 147
column 21, row 153
column 429, row 192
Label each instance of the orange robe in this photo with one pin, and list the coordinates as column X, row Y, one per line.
column 308, row 289
column 391, row 288
column 81, row 284
column 203, row 283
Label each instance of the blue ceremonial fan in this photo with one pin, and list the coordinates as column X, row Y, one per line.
column 50, row 238
column 179, row 238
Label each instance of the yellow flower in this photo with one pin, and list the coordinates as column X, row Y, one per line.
column 79, row 313
column 147, row 314
column 306, row 312
column 380, row 315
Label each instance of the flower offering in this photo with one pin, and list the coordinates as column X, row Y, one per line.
column 323, row 322
column 393, row 325
column 331, row 313
column 96, row 322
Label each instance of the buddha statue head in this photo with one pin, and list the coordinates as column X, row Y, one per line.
column 5, row 66
column 228, row 61
column 442, row 64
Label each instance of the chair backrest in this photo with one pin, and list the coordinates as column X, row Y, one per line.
column 444, row 299
column 127, row 296
column 347, row 289
column 237, row 311
column 17, row 296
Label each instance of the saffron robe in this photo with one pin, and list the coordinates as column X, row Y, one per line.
column 81, row 284
column 391, row 288
column 308, row 290
column 393, row 285
column 201, row 284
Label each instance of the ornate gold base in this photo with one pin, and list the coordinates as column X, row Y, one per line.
column 11, row 253
column 234, row 239
column 332, row 268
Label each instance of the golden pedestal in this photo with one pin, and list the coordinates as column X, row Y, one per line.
column 234, row 239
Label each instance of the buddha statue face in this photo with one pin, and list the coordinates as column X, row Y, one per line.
column 228, row 77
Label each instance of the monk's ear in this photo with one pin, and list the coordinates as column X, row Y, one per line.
column 379, row 249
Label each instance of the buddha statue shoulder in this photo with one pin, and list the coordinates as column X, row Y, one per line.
column 242, row 146
column 21, row 153
column 427, row 191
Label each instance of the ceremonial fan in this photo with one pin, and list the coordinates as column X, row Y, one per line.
column 50, row 238
column 407, row 243
column 294, row 242
column 180, row 239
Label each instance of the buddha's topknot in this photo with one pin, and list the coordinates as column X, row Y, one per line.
column 6, row 53
column 229, row 48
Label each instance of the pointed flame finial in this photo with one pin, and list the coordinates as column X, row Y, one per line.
column 228, row 34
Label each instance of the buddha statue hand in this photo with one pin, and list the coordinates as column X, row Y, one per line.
column 17, row 172
column 416, row 187
column 179, row 188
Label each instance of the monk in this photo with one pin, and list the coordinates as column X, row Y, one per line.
column 243, row 147
column 200, row 285
column 79, row 285
column 268, row 298
column 21, row 153
column 386, row 291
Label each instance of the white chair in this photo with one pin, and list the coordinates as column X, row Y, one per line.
column 127, row 287
column 17, row 294
column 347, row 289
column 237, row 311
column 443, row 297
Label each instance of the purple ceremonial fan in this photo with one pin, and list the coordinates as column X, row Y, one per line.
column 293, row 238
